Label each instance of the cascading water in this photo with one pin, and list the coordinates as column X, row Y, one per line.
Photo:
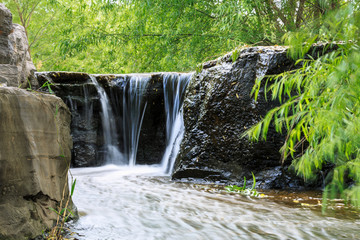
column 112, row 152
column 174, row 89
column 133, row 114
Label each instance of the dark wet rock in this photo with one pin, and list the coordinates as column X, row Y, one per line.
column 152, row 140
column 81, row 96
column 218, row 109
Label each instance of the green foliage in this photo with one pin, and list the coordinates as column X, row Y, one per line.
column 235, row 55
column 243, row 190
column 72, row 188
column 199, row 68
column 320, row 111
column 47, row 85
column 160, row 35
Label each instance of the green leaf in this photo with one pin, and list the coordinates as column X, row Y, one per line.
column 72, row 188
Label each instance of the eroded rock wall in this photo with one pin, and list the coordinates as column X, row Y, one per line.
column 35, row 154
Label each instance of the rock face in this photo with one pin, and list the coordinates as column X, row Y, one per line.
column 35, row 154
column 83, row 101
column 35, row 142
column 80, row 94
column 16, row 67
column 218, row 109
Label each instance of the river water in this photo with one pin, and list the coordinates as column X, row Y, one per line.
column 142, row 203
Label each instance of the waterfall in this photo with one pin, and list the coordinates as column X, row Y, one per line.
column 123, row 114
column 133, row 114
column 174, row 90
column 112, row 153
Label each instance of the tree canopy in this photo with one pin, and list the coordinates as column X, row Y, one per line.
column 122, row 36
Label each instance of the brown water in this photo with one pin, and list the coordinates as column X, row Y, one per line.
column 140, row 203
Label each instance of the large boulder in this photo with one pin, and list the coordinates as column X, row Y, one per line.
column 218, row 108
column 16, row 67
column 35, row 152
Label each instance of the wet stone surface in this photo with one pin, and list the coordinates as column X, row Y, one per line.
column 218, row 109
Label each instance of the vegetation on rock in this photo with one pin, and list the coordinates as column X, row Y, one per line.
column 244, row 190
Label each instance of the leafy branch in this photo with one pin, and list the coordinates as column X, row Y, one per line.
column 320, row 109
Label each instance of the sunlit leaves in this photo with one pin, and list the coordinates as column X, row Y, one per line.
column 108, row 36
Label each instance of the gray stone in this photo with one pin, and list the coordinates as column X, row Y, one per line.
column 6, row 50
column 8, row 72
column 5, row 21
column 14, row 51
column 35, row 152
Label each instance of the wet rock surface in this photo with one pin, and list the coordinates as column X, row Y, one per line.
column 218, row 109
column 80, row 94
column 35, row 154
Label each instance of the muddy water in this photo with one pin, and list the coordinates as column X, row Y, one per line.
column 141, row 203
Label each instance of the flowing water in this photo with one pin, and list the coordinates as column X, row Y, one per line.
column 133, row 89
column 112, row 152
column 174, row 91
column 133, row 112
column 142, row 203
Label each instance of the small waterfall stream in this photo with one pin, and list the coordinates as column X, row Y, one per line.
column 112, row 152
column 174, row 90
column 133, row 90
column 133, row 114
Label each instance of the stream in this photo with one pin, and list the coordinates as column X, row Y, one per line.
column 122, row 202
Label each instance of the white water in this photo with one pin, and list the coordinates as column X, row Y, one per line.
column 133, row 112
column 174, row 89
column 112, row 152
column 134, row 107
column 140, row 203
